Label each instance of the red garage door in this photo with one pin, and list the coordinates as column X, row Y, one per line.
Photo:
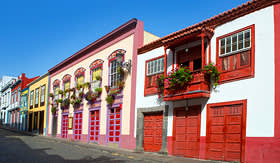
column 187, row 131
column 225, row 134
column 152, row 132
column 94, row 126
column 64, row 126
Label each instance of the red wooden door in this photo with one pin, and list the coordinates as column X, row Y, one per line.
column 78, row 126
column 187, row 131
column 64, row 126
column 153, row 132
column 94, row 126
column 224, row 132
column 114, row 125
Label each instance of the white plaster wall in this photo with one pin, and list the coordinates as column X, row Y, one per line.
column 259, row 91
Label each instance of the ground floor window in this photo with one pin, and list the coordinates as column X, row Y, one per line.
column 114, row 125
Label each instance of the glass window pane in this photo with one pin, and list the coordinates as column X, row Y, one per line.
column 240, row 40
column 234, row 42
column 155, row 67
column 162, row 64
column 247, row 39
column 225, row 64
column 228, row 46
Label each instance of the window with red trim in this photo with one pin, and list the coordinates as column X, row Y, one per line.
column 235, row 54
column 154, row 68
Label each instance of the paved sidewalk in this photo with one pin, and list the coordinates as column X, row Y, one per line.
column 110, row 151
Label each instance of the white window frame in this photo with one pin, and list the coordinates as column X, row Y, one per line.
column 114, row 75
column 237, row 43
column 155, row 66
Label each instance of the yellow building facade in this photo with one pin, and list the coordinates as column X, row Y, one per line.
column 37, row 105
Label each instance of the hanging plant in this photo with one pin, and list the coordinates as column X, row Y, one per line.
column 72, row 90
column 60, row 92
column 73, row 96
column 90, row 96
column 59, row 101
column 86, row 85
column 160, row 84
column 81, row 95
column 179, row 78
column 110, row 99
column 51, row 95
column 212, row 70
column 98, row 91
column 79, row 86
column 76, row 103
column 53, row 109
column 98, row 77
column 107, row 88
column 66, row 102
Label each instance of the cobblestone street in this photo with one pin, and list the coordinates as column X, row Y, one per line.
column 20, row 147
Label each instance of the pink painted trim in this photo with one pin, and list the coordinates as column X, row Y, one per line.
column 93, row 52
column 138, row 42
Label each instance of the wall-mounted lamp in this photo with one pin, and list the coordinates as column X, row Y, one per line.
column 186, row 50
column 126, row 65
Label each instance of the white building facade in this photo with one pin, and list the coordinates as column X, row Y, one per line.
column 236, row 121
column 5, row 89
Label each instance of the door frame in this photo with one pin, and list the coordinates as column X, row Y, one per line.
column 140, row 127
column 174, row 125
column 243, row 130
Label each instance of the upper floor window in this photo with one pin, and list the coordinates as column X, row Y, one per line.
column 236, row 42
column 96, row 68
column 79, row 76
column 115, row 77
column 154, row 67
column 236, row 54
column 43, row 92
column 66, row 85
column 56, row 84
column 31, row 99
column 36, row 97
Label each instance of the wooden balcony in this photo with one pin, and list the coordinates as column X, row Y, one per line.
column 199, row 87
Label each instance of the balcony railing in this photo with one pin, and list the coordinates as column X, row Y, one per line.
column 198, row 87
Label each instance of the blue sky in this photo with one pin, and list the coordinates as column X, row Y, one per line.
column 35, row 35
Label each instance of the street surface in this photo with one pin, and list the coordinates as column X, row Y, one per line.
column 19, row 147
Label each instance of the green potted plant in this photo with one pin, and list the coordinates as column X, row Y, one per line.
column 60, row 92
column 59, row 101
column 98, row 91
column 110, row 99
column 53, row 109
column 86, row 85
column 51, row 95
column 212, row 70
column 179, row 78
column 66, row 103
column 160, row 84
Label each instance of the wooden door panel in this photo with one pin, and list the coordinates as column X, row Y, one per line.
column 224, row 132
column 187, row 131
column 153, row 132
